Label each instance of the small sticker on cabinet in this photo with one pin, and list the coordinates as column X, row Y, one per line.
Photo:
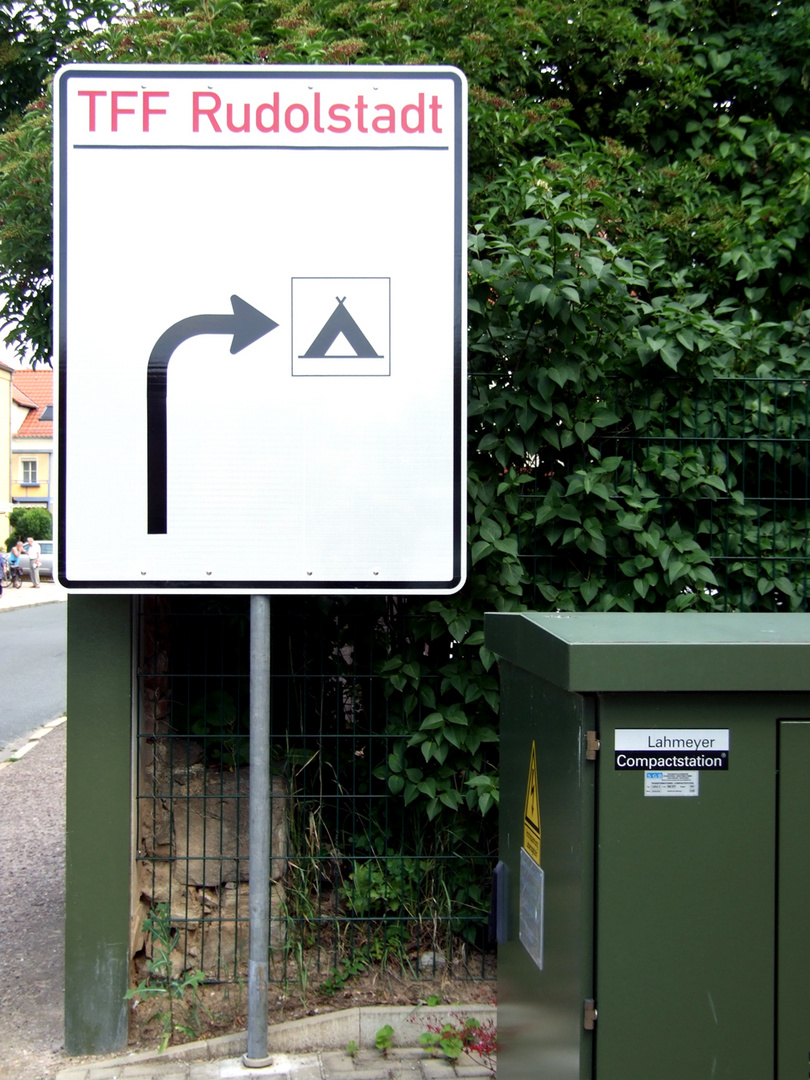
column 671, row 784
column 531, row 812
column 532, row 895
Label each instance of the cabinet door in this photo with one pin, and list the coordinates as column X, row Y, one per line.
column 793, row 902
column 685, row 897
column 545, row 964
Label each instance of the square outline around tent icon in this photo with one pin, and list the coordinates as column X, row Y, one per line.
column 341, row 326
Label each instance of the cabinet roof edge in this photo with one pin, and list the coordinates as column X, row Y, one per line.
column 618, row 651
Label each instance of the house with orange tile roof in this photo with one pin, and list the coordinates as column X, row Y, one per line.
column 5, row 450
column 33, row 479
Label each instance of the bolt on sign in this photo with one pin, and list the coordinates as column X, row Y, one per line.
column 260, row 325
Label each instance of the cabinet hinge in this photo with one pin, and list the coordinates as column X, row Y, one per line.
column 591, row 745
column 590, row 1014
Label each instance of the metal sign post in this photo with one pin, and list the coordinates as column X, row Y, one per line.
column 259, row 913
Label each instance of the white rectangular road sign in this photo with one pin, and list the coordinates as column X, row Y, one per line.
column 260, row 316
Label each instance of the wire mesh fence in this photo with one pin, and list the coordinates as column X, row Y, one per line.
column 355, row 881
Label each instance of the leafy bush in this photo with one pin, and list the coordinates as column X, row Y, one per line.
column 28, row 521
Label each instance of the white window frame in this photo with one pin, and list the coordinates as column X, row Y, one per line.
column 32, row 479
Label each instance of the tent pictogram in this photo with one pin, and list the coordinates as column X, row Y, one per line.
column 340, row 322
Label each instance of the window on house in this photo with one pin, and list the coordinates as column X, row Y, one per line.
column 29, row 472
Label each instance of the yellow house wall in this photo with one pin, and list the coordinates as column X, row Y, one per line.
column 5, row 453
column 40, row 490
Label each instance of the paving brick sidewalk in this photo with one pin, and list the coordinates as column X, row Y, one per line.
column 403, row 1064
column 290, row 1045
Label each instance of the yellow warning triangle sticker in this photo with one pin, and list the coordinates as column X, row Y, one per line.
column 531, row 812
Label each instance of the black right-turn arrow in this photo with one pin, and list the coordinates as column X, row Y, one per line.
column 247, row 325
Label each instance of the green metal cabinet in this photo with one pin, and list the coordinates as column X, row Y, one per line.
column 658, row 768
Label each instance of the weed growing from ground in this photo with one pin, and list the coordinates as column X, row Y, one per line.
column 385, row 1039
column 462, row 1035
column 346, row 970
column 160, row 983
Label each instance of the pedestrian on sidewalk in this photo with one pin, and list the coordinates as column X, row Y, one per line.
column 14, row 568
column 35, row 556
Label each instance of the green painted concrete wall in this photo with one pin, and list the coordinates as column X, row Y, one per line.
column 99, row 847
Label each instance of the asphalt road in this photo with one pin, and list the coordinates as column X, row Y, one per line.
column 33, row 667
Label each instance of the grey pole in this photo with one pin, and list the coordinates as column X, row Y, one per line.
column 258, row 958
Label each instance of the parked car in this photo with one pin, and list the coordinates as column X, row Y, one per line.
column 46, row 559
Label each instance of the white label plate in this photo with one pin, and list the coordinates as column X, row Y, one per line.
column 671, row 785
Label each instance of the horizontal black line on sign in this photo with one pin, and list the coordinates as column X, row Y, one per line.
column 250, row 146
